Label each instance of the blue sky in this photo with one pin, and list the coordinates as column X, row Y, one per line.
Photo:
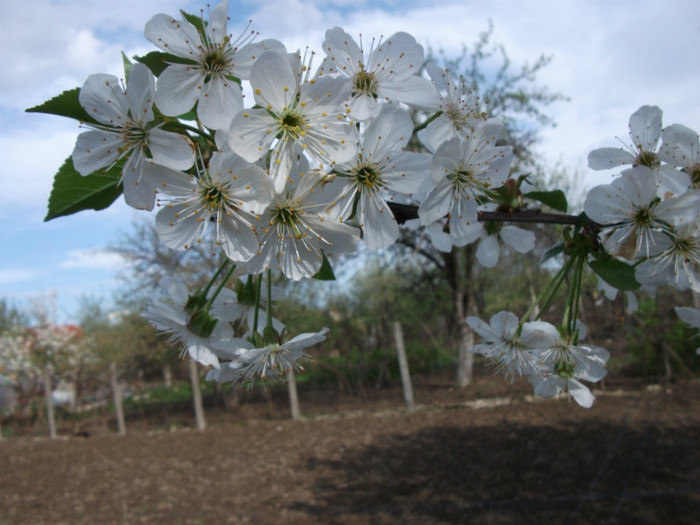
column 610, row 57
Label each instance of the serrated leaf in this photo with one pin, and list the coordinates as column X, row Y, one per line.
column 127, row 67
column 195, row 20
column 64, row 105
column 73, row 192
column 553, row 251
column 616, row 273
column 326, row 272
column 157, row 61
column 554, row 199
column 246, row 292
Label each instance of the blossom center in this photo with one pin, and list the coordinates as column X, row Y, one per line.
column 464, row 178
column 288, row 218
column 695, row 175
column 364, row 82
column 368, row 176
column 642, row 217
column 293, row 124
column 565, row 368
column 214, row 196
column 648, row 159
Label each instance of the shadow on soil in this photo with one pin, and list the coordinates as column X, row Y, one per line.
column 571, row 473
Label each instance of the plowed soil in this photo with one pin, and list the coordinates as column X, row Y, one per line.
column 633, row 458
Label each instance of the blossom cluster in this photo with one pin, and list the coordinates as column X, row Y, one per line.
column 648, row 217
column 650, row 214
column 281, row 163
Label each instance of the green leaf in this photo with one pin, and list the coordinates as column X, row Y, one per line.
column 553, row 251
column 326, row 272
column 73, row 192
column 554, row 199
column 157, row 61
column 616, row 273
column 127, row 66
column 65, row 105
column 246, row 292
column 195, row 20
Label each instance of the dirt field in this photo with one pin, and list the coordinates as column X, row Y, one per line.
column 633, row 458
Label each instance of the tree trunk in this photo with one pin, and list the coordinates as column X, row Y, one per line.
column 197, row 396
column 403, row 367
column 117, row 397
column 167, row 375
column 463, row 293
column 50, row 416
column 293, row 397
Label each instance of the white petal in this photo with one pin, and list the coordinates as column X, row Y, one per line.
column 95, row 150
column 138, row 193
column 437, row 204
column 487, row 253
column 302, row 341
column 379, row 226
column 522, row 241
column 681, row 146
column 645, row 127
column 178, row 89
column 608, row 158
column 220, row 101
column 415, row 91
column 388, row 133
column 397, row 58
column 273, row 81
column 104, row 100
column 581, row 394
column 689, row 315
column 176, row 231
column 178, row 37
column 237, row 238
column 246, row 56
column 140, row 92
column 169, row 181
column 202, row 354
column 171, row 149
column 251, row 134
column 343, row 50
column 505, row 323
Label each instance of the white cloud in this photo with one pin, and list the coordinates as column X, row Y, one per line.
column 16, row 275
column 93, row 260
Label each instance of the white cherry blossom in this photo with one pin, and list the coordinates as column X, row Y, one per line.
column 462, row 169
column 633, row 217
column 681, row 148
column 168, row 314
column 297, row 228
column 645, row 132
column 514, row 349
column 690, row 316
column 224, row 196
column 388, row 72
column 294, row 111
column 127, row 132
column 381, row 169
column 459, row 107
column 276, row 360
column 215, row 57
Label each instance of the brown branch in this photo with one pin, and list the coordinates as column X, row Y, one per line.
column 406, row 212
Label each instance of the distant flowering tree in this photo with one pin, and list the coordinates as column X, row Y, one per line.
column 319, row 162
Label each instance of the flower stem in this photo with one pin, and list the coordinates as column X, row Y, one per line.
column 427, row 122
column 550, row 291
column 221, row 285
column 256, row 314
column 268, row 323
